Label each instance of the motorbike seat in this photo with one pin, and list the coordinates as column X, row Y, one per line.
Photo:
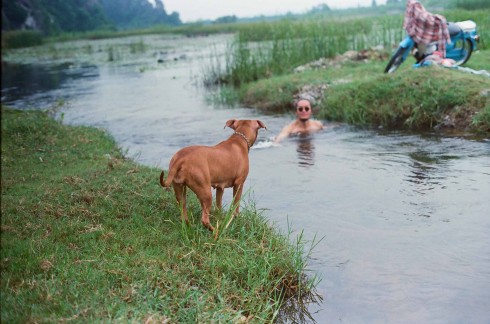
column 453, row 29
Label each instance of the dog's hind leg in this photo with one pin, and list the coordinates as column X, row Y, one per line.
column 180, row 191
column 206, row 199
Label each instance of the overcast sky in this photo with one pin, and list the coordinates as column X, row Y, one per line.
column 192, row 10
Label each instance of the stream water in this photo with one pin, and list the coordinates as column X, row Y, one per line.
column 402, row 220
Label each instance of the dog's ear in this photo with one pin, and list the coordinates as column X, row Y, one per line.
column 261, row 124
column 231, row 123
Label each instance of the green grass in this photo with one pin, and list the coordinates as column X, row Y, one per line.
column 90, row 236
column 268, row 49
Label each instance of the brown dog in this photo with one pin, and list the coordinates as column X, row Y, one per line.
column 221, row 166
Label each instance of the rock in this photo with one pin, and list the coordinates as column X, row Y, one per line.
column 447, row 122
column 350, row 55
column 375, row 53
column 315, row 65
column 485, row 93
column 314, row 93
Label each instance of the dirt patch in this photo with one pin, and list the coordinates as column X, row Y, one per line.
column 366, row 55
column 314, row 93
column 459, row 119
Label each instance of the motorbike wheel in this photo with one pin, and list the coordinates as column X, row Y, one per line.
column 465, row 46
column 396, row 60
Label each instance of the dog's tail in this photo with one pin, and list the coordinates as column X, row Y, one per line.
column 167, row 183
column 162, row 182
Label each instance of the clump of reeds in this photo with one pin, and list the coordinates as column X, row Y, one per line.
column 267, row 49
column 21, row 38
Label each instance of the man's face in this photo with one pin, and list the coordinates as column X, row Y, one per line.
column 303, row 110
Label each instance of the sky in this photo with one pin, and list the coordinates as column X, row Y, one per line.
column 193, row 10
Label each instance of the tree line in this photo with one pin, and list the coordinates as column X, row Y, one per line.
column 55, row 16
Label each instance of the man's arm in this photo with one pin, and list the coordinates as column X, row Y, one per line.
column 283, row 134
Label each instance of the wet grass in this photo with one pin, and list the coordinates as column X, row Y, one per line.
column 88, row 235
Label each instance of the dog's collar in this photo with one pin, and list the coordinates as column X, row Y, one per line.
column 245, row 138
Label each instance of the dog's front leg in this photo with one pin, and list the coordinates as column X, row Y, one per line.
column 219, row 198
column 237, row 195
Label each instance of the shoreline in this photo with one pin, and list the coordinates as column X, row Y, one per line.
column 89, row 234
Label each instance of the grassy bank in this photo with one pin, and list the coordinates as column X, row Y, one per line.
column 418, row 99
column 90, row 236
column 359, row 93
column 260, row 71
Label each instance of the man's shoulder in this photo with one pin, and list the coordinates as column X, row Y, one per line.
column 316, row 124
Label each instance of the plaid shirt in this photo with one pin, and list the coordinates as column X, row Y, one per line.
column 424, row 27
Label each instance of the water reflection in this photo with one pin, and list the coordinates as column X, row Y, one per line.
column 297, row 309
column 422, row 172
column 305, row 150
column 26, row 83
column 427, row 176
column 427, row 170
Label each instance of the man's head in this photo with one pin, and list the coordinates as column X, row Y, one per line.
column 303, row 109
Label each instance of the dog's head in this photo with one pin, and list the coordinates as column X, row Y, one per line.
column 249, row 128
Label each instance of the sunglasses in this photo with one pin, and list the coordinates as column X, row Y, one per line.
column 300, row 109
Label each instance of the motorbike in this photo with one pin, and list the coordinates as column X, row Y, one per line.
column 464, row 39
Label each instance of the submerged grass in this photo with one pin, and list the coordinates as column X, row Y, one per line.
column 89, row 236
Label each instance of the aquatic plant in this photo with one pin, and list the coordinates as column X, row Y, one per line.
column 137, row 47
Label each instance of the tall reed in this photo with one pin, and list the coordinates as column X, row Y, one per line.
column 266, row 49
column 21, row 38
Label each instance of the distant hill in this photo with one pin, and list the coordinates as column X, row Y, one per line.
column 129, row 14
column 54, row 16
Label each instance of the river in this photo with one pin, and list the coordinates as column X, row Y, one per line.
column 401, row 220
